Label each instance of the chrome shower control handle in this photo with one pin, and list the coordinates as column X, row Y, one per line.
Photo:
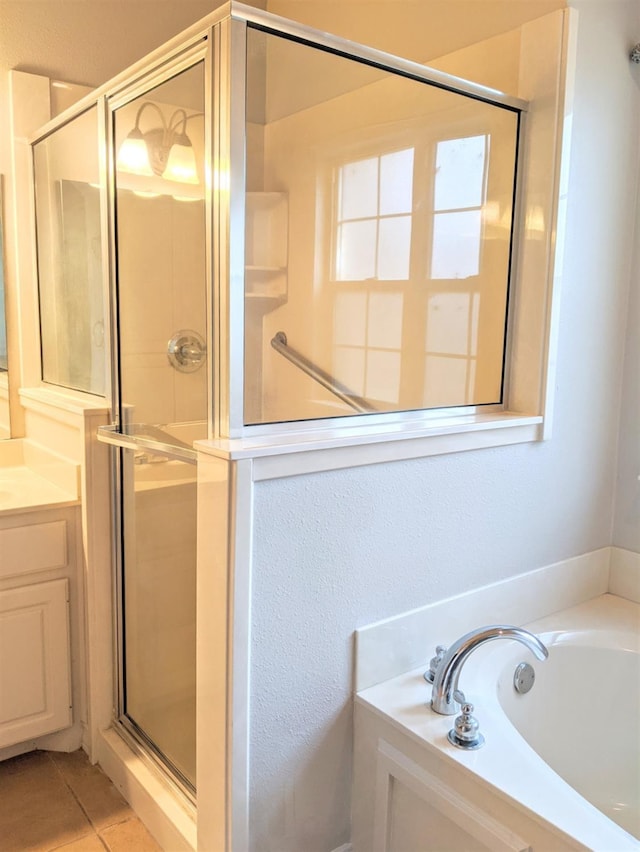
column 187, row 351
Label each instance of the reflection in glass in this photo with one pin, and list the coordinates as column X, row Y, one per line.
column 159, row 590
column 457, row 237
column 400, row 196
column 460, row 196
column 460, row 172
column 372, row 325
column 163, row 397
column 4, row 364
column 161, row 259
column 69, row 250
column 373, row 240
column 5, row 416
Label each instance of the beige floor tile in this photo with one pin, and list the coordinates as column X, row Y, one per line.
column 29, row 762
column 37, row 810
column 90, row 843
column 101, row 801
column 129, row 836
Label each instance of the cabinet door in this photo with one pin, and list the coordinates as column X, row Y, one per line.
column 35, row 683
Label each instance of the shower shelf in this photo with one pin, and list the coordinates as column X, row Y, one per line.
column 266, row 246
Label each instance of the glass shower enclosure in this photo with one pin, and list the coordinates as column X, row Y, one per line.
column 281, row 230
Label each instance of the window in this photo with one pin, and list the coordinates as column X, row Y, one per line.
column 414, row 281
column 374, row 218
column 459, row 198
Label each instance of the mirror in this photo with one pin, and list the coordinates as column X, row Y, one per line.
column 69, row 248
column 5, row 420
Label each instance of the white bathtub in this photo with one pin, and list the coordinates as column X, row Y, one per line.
column 565, row 756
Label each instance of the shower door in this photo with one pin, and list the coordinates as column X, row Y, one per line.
column 161, row 385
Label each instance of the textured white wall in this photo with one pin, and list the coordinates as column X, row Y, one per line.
column 337, row 550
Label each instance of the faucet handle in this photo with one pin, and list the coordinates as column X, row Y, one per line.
column 430, row 674
column 466, row 730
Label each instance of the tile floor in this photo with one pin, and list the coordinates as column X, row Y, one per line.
column 51, row 800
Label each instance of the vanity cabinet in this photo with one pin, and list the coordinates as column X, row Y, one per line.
column 38, row 583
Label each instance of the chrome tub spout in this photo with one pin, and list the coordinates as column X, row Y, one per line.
column 445, row 682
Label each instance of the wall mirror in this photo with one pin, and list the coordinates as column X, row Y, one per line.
column 67, row 199
column 5, row 419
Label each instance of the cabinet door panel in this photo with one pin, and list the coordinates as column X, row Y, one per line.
column 35, row 683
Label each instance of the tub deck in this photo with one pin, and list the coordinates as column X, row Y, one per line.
column 507, row 764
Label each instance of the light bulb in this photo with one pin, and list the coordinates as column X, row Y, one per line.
column 133, row 156
column 181, row 165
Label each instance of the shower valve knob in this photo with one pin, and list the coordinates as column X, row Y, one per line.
column 187, row 351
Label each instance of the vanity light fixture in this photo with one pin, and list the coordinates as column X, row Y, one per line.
column 164, row 151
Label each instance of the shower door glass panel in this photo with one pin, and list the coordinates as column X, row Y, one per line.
column 159, row 597
column 161, row 307
column 160, row 221
column 400, row 198
column 69, row 252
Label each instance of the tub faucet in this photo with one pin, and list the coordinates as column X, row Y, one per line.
column 447, row 674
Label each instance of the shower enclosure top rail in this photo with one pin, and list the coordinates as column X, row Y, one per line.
column 291, row 29
column 373, row 56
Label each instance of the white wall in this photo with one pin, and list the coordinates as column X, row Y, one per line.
column 626, row 529
column 334, row 551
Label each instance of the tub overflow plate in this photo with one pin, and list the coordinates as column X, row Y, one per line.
column 523, row 678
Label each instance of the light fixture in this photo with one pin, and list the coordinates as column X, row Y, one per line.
column 164, row 151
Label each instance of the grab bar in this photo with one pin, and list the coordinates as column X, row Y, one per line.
column 279, row 343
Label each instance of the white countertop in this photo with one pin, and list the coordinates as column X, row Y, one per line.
column 22, row 489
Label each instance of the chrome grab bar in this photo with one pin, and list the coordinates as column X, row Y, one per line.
column 279, row 343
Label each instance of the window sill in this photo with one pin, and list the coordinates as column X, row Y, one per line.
column 293, row 454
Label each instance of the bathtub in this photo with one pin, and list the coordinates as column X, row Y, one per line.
column 560, row 768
